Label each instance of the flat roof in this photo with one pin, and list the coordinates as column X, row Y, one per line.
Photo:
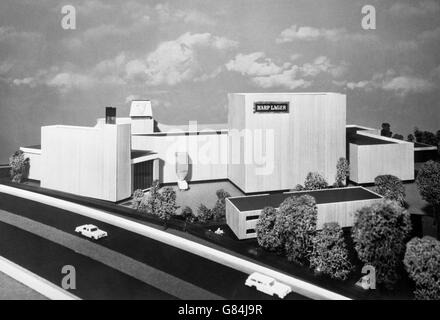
column 361, row 140
column 141, row 153
column 35, row 146
column 250, row 203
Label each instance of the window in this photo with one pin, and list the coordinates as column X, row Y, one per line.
column 256, row 217
column 248, row 231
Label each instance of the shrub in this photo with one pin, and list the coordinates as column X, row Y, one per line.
column 342, row 172
column 167, row 207
column 151, row 203
column 386, row 130
column 428, row 182
column 219, row 210
column 19, row 166
column 204, row 214
column 298, row 187
column 187, row 214
column 390, row 187
column 268, row 236
column 426, row 137
column 330, row 255
column 161, row 204
column 379, row 234
column 296, row 223
column 315, row 181
column 422, row 262
column 138, row 195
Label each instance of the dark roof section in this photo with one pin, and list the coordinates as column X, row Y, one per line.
column 36, row 146
column 321, row 196
column 141, row 153
column 361, row 140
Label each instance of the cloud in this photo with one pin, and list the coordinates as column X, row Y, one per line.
column 404, row 85
column 190, row 16
column 414, row 9
column 253, row 64
column 305, row 33
column 177, row 60
column 265, row 73
column 323, row 64
column 429, row 35
column 171, row 63
column 286, row 79
column 399, row 84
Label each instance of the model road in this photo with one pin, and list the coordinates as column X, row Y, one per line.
column 218, row 279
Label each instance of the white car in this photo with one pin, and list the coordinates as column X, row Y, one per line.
column 268, row 285
column 91, row 231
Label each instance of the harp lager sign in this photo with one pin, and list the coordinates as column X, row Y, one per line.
column 271, row 107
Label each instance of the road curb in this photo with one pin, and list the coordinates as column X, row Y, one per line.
column 299, row 286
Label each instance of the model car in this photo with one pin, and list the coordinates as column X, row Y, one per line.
column 268, row 285
column 91, row 231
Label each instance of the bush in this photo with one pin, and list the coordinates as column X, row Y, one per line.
column 296, row 223
column 422, row 262
column 267, row 235
column 19, row 166
column 315, row 181
column 151, row 203
column 204, row 214
column 330, row 255
column 298, row 187
column 428, row 182
column 342, row 172
column 161, row 204
column 379, row 234
column 219, row 210
column 138, row 195
column 390, row 187
column 167, row 207
column 187, row 214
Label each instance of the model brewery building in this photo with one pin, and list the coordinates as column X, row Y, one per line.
column 270, row 143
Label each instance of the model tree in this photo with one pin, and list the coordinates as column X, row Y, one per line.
column 138, row 195
column 159, row 203
column 386, row 130
column 204, row 214
column 19, row 166
column 268, row 236
column 296, row 224
column 330, row 255
column 167, row 204
column 422, row 262
column 426, row 137
column 379, row 234
column 152, row 201
column 219, row 210
column 390, row 187
column 428, row 182
column 315, row 181
column 342, row 172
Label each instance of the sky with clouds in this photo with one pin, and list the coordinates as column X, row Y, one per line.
column 186, row 55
